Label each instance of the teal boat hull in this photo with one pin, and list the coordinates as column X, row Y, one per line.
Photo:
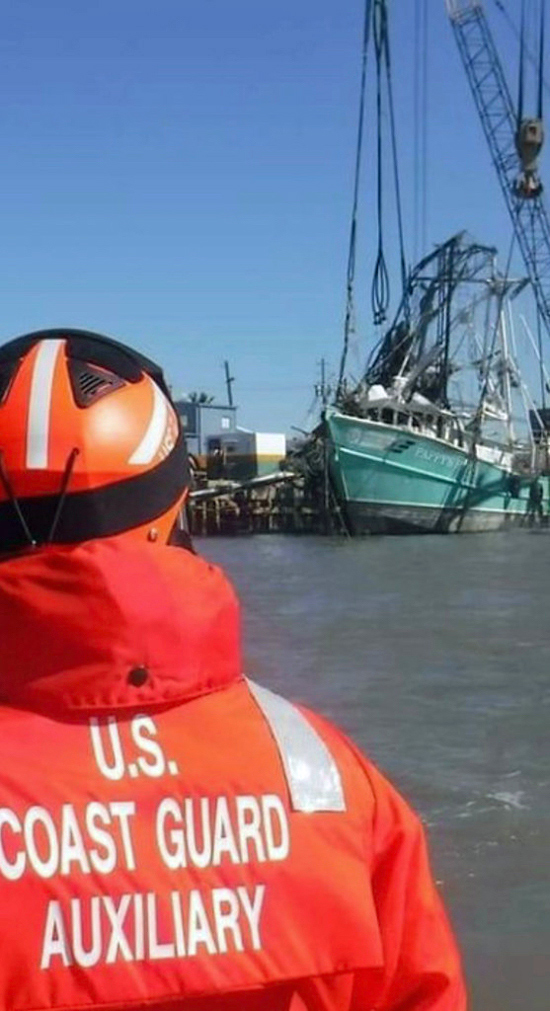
column 392, row 480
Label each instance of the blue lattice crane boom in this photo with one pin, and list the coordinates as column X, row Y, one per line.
column 514, row 143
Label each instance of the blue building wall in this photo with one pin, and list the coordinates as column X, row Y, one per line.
column 200, row 422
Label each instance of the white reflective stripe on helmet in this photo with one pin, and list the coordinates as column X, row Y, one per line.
column 311, row 772
column 40, row 402
column 151, row 442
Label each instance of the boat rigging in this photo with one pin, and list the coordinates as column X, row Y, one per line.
column 427, row 440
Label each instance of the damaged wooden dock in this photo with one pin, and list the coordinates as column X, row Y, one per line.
column 277, row 503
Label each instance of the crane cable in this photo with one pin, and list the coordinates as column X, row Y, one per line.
column 515, row 30
column 375, row 12
column 541, row 58
column 521, row 65
column 349, row 317
column 539, row 314
column 416, row 132
column 403, row 265
column 540, row 69
column 420, row 101
column 380, row 290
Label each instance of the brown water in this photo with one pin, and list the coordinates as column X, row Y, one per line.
column 434, row 654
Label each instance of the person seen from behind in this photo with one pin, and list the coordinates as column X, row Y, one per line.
column 172, row 835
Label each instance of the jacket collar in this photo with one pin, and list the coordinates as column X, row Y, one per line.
column 77, row 623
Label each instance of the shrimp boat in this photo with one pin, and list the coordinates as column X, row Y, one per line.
column 441, row 434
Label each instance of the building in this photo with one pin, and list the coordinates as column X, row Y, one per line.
column 201, row 422
column 222, row 449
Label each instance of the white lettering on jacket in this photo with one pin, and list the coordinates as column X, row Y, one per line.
column 103, row 929
column 193, row 831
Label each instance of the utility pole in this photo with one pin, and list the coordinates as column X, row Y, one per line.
column 323, row 383
column 229, row 379
column 322, row 389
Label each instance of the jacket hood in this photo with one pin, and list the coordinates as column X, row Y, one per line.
column 104, row 626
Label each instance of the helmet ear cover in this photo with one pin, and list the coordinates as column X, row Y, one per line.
column 99, row 512
column 96, row 366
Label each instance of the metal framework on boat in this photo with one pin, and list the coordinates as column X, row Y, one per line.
column 410, row 344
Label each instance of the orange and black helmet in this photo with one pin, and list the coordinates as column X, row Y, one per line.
column 90, row 442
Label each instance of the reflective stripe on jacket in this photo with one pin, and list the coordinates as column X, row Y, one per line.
column 172, row 836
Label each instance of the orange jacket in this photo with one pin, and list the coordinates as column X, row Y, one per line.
column 173, row 836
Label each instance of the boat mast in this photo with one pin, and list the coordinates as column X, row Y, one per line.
column 506, row 366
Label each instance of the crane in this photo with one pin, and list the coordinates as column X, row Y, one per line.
column 514, row 142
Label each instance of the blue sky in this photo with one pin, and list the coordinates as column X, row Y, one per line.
column 179, row 174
